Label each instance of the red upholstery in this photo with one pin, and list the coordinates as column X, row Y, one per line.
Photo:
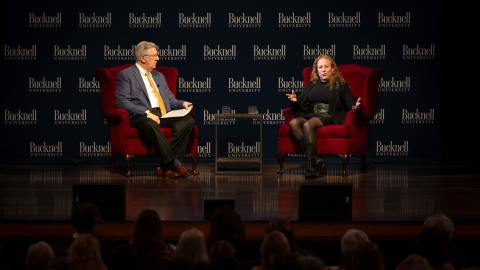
column 344, row 140
column 124, row 139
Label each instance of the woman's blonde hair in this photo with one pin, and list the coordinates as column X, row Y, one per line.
column 192, row 247
column 85, row 253
column 273, row 243
column 335, row 79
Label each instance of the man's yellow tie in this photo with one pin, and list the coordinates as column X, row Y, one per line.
column 163, row 109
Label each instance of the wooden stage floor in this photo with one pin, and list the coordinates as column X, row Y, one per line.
column 388, row 195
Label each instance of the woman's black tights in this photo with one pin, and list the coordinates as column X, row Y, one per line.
column 304, row 129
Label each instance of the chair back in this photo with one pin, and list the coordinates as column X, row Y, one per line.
column 363, row 82
column 108, row 83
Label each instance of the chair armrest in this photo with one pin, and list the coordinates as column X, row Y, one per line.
column 118, row 117
column 289, row 114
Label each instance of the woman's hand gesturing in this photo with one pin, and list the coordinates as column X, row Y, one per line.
column 292, row 97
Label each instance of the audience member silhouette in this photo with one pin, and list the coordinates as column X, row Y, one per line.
column 348, row 241
column 148, row 241
column 445, row 228
column 367, row 256
column 123, row 257
column 312, row 263
column 273, row 243
column 39, row 256
column 85, row 219
column 286, row 261
column 431, row 245
column 85, row 253
column 191, row 251
column 284, row 226
column 59, row 263
column 222, row 256
column 226, row 224
column 414, row 262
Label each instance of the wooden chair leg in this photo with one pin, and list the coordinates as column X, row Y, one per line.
column 128, row 160
column 344, row 159
column 112, row 164
column 194, row 157
column 280, row 157
column 364, row 163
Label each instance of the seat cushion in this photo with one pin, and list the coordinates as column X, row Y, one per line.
column 330, row 131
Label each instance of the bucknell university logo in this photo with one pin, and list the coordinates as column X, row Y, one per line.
column 269, row 53
column 219, row 53
column 335, row 20
column 195, row 85
column 68, row 53
column 244, row 21
column 195, row 21
column 44, row 20
column 369, row 53
column 312, row 53
column 303, row 20
column 20, row 118
column 95, row 21
column 394, row 85
column 418, row 53
column 417, row 117
column 19, row 53
column 393, row 20
column 392, row 150
column 46, row 150
column 144, row 21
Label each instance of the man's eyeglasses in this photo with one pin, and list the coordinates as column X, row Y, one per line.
column 151, row 55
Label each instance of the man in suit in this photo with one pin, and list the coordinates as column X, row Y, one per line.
column 144, row 93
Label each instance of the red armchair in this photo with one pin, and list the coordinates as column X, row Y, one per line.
column 124, row 139
column 344, row 140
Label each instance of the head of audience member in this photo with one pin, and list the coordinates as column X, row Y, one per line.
column 192, row 247
column 226, row 224
column 39, row 256
column 283, row 225
column 431, row 245
column 85, row 253
column 59, row 263
column 123, row 257
column 442, row 223
column 222, row 256
column 312, row 263
column 221, row 249
column 286, row 261
column 367, row 256
column 349, row 239
column 148, row 240
column 85, row 218
column 414, row 262
column 273, row 243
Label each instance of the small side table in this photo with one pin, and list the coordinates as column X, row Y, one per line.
column 254, row 160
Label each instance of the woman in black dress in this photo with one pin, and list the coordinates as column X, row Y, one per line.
column 324, row 101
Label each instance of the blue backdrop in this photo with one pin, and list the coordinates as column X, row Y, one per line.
column 236, row 53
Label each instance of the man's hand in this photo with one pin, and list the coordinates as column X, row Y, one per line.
column 153, row 117
column 186, row 104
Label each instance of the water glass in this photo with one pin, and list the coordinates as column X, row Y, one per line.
column 252, row 110
column 225, row 109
